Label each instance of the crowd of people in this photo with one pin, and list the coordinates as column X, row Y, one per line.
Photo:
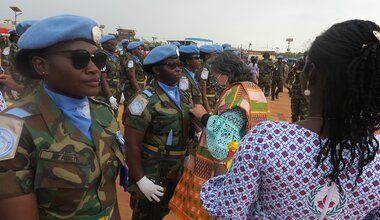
column 198, row 140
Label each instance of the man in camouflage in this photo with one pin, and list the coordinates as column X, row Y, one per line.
column 204, row 78
column 70, row 175
column 110, row 81
column 299, row 105
column 278, row 78
column 266, row 67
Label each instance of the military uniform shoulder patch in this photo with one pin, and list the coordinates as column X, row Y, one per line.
column 10, row 133
column 130, row 64
column 6, row 51
column 138, row 105
column 204, row 74
column 147, row 92
column 184, row 83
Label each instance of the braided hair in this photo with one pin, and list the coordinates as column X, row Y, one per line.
column 347, row 56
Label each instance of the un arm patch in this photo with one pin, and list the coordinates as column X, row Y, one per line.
column 204, row 74
column 10, row 133
column 138, row 105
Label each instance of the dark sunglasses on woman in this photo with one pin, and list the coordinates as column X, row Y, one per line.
column 173, row 65
column 80, row 58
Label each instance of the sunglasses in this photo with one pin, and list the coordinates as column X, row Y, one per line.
column 196, row 57
column 173, row 65
column 80, row 58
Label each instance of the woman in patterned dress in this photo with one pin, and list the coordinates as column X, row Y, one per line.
column 327, row 166
column 241, row 105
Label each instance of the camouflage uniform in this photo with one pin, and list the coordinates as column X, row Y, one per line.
column 162, row 155
column 140, row 74
column 204, row 79
column 266, row 70
column 8, row 55
column 72, row 176
column 113, row 71
column 189, row 85
column 277, row 79
column 298, row 103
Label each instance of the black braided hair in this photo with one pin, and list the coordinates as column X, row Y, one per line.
column 347, row 56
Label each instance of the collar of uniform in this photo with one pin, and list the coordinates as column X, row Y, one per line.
column 163, row 96
column 136, row 59
column 58, row 125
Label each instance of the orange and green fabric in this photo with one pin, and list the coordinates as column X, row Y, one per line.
column 243, row 101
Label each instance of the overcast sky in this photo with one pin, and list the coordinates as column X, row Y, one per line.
column 266, row 24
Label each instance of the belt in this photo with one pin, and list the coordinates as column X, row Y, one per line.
column 157, row 151
column 210, row 95
column 103, row 215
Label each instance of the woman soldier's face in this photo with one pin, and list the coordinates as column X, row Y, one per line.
column 169, row 71
column 73, row 68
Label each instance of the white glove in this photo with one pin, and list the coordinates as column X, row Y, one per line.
column 122, row 98
column 149, row 189
column 113, row 102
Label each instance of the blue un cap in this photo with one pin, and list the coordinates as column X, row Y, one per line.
column 133, row 45
column 226, row 45
column 23, row 26
column 190, row 49
column 219, row 49
column 161, row 53
column 107, row 38
column 124, row 41
column 207, row 49
column 52, row 30
column 177, row 44
column 12, row 31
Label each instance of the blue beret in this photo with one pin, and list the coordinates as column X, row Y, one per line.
column 52, row 30
column 161, row 53
column 219, row 49
column 124, row 41
column 176, row 43
column 23, row 26
column 152, row 46
column 142, row 43
column 107, row 38
column 226, row 45
column 229, row 49
column 12, row 31
column 190, row 49
column 207, row 49
column 133, row 45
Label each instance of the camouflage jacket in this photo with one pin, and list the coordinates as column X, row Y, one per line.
column 279, row 71
column 132, row 65
column 266, row 69
column 190, row 85
column 8, row 55
column 204, row 78
column 165, row 126
column 71, row 175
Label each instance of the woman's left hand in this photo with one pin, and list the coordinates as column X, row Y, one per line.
column 198, row 111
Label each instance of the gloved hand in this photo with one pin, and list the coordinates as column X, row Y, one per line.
column 122, row 98
column 149, row 189
column 113, row 103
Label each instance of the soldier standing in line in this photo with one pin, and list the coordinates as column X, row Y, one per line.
column 63, row 150
column 110, row 80
column 204, row 77
column 277, row 78
column 136, row 77
column 266, row 68
column 299, row 105
column 157, row 127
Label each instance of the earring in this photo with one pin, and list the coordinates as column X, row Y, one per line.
column 307, row 92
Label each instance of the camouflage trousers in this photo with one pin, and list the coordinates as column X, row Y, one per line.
column 299, row 107
column 143, row 209
column 265, row 86
column 276, row 87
